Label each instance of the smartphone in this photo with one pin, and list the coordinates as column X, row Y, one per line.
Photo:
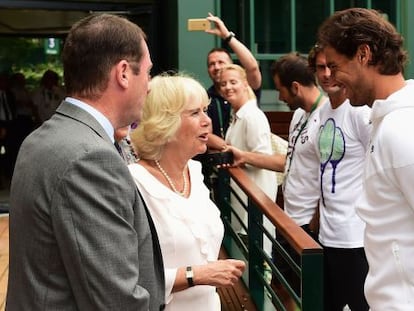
column 198, row 24
column 217, row 158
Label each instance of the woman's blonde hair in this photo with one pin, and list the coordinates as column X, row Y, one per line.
column 161, row 115
column 243, row 75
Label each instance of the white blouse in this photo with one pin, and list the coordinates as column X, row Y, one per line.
column 190, row 232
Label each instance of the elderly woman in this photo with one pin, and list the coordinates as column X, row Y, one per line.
column 174, row 128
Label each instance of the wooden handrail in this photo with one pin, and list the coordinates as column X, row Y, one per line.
column 310, row 267
column 295, row 235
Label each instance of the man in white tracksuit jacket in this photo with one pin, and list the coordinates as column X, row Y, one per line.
column 365, row 54
column 387, row 206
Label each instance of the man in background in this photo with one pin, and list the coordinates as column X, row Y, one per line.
column 219, row 110
column 47, row 97
column 341, row 144
column 297, row 87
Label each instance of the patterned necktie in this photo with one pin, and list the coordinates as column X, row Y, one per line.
column 118, row 148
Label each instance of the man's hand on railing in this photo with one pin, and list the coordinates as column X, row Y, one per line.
column 274, row 162
column 238, row 157
column 220, row 273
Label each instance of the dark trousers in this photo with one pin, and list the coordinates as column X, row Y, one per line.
column 345, row 271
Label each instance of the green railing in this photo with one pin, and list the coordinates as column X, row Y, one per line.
column 310, row 268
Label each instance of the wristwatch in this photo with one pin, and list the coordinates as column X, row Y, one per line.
column 189, row 274
column 229, row 37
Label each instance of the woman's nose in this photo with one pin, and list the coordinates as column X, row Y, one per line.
column 206, row 119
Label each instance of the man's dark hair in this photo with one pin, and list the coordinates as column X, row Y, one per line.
column 94, row 45
column 293, row 67
column 218, row 50
column 346, row 30
column 312, row 55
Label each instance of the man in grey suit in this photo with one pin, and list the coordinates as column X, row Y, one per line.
column 81, row 237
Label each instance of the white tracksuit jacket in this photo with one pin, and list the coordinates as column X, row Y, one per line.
column 387, row 203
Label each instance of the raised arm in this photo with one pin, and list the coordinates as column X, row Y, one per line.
column 246, row 58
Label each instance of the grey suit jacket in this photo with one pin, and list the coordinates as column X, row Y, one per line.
column 80, row 235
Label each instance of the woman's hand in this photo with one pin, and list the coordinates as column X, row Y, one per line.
column 220, row 273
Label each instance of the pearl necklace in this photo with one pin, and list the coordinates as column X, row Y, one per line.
column 170, row 182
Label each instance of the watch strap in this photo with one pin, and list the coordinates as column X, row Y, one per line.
column 229, row 37
column 189, row 274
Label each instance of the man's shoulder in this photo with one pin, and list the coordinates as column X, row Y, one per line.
column 211, row 89
column 216, row 100
column 212, row 93
column 298, row 113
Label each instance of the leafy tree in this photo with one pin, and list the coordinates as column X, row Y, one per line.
column 26, row 55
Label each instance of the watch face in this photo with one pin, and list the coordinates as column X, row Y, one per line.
column 189, row 276
column 189, row 272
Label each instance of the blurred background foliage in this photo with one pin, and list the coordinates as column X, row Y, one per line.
column 27, row 55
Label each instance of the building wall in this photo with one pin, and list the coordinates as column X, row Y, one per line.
column 187, row 50
column 272, row 28
column 407, row 30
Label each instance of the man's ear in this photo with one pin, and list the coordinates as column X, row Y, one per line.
column 122, row 73
column 364, row 53
column 294, row 88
